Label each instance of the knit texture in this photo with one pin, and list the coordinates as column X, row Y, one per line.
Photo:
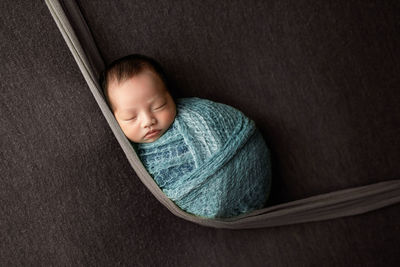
column 211, row 162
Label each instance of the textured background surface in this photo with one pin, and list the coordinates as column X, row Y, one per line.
column 319, row 78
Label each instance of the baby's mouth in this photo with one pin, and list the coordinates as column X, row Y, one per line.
column 152, row 133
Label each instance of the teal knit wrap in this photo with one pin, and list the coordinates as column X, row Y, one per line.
column 212, row 161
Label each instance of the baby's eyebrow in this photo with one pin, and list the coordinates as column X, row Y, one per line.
column 154, row 98
column 126, row 111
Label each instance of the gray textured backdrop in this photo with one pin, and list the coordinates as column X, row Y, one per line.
column 320, row 78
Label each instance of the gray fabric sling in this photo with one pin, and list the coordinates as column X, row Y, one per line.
column 337, row 204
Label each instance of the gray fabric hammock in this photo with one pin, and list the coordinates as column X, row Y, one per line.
column 336, row 204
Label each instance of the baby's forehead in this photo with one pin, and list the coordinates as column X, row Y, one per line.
column 138, row 92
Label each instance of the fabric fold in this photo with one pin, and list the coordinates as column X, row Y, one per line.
column 226, row 169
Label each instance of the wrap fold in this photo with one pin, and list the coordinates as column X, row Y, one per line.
column 212, row 161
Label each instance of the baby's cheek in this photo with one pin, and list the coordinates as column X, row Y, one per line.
column 132, row 132
column 168, row 117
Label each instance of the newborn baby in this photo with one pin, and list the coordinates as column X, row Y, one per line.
column 207, row 157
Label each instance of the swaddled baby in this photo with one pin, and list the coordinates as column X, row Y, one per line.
column 207, row 157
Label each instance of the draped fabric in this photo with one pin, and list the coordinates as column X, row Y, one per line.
column 212, row 161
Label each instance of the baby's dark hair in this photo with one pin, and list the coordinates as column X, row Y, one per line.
column 128, row 66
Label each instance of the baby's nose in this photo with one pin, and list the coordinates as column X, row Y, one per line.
column 148, row 120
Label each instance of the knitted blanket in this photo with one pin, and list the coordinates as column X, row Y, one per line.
column 211, row 162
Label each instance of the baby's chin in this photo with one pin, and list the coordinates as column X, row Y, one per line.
column 150, row 140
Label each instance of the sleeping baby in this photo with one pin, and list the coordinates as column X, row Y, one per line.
column 207, row 157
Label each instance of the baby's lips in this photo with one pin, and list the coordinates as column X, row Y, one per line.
column 152, row 133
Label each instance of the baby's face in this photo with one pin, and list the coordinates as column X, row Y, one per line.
column 142, row 106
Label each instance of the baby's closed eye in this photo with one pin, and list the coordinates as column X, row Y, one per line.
column 160, row 107
column 131, row 119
